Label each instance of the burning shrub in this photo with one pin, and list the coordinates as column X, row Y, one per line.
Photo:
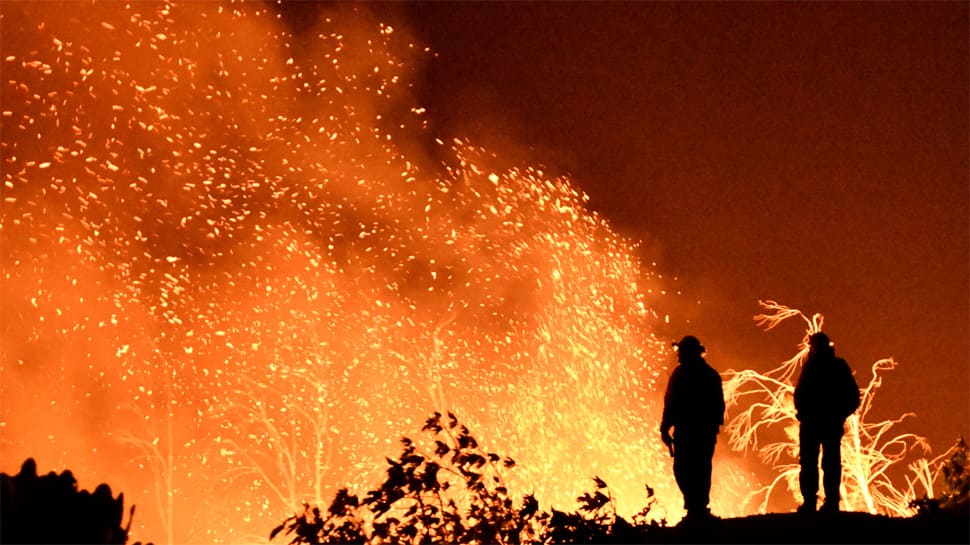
column 455, row 493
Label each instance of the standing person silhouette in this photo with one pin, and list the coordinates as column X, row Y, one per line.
column 826, row 394
column 694, row 408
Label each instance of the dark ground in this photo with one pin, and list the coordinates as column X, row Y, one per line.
column 817, row 528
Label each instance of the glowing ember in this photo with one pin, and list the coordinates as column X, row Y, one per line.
column 226, row 290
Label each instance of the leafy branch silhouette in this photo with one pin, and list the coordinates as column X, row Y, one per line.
column 452, row 490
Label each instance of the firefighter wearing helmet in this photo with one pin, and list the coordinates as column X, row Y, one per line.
column 694, row 409
column 826, row 394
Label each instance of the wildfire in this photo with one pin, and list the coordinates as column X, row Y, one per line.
column 227, row 290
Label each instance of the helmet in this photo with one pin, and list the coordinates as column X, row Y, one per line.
column 819, row 340
column 689, row 345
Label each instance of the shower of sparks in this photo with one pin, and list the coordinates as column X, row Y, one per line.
column 226, row 290
column 869, row 450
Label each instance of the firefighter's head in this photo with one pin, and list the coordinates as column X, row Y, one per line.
column 688, row 348
column 819, row 343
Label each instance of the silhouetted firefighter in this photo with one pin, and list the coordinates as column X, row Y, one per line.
column 826, row 394
column 694, row 408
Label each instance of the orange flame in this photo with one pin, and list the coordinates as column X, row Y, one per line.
column 226, row 290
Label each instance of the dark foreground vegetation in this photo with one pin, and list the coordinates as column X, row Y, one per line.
column 51, row 509
column 447, row 489
column 454, row 492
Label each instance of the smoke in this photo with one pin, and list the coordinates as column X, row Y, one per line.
column 227, row 289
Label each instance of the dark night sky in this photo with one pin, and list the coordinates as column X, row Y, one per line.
column 811, row 153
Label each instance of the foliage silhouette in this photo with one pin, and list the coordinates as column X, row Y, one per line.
column 954, row 471
column 956, row 474
column 51, row 509
column 454, row 492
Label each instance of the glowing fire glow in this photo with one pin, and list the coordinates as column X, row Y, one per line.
column 226, row 289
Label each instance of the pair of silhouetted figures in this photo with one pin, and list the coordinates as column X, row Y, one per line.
column 826, row 394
